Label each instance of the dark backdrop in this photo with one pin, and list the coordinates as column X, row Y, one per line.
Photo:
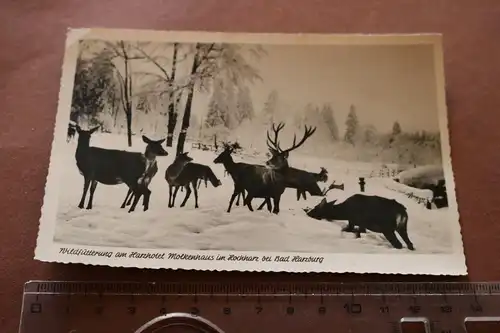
column 31, row 50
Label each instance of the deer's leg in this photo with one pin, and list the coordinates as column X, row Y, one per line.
column 131, row 197
column 145, row 200
column 137, row 195
column 170, row 195
column 86, row 184
column 268, row 201
column 127, row 200
column 248, row 201
column 233, row 196
column 391, row 237
column 188, row 193
column 276, row 208
column 298, row 195
column 304, row 195
column 93, row 186
column 195, row 190
column 262, row 204
column 174, row 195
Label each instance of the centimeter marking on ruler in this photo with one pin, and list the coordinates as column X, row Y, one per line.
column 264, row 288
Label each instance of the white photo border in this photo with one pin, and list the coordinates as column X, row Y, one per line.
column 407, row 264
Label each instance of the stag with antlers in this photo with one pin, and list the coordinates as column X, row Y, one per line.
column 278, row 166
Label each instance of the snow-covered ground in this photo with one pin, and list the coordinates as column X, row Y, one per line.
column 210, row 227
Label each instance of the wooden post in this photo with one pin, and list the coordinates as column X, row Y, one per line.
column 362, row 184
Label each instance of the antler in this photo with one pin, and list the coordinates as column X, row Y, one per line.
column 274, row 144
column 307, row 133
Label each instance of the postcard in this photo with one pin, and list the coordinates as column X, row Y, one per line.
column 252, row 152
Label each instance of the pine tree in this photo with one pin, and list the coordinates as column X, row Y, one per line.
column 244, row 105
column 396, row 129
column 329, row 119
column 352, row 125
column 270, row 106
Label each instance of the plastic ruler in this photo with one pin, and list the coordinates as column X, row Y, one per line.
column 95, row 307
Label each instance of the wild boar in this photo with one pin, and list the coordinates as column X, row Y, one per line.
column 367, row 212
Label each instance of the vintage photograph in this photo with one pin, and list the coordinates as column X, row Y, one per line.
column 331, row 148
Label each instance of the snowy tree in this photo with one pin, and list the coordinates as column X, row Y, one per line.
column 352, row 125
column 270, row 106
column 396, row 129
column 94, row 86
column 370, row 134
column 217, row 110
column 164, row 81
column 329, row 120
column 209, row 62
column 245, row 109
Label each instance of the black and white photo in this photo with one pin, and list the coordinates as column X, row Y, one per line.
column 260, row 152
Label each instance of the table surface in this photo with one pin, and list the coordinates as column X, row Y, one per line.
column 32, row 42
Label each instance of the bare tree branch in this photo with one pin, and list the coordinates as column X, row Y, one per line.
column 158, row 65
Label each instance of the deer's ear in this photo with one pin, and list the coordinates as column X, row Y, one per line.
column 78, row 128
column 323, row 202
column 146, row 139
column 94, row 129
column 334, row 201
column 160, row 141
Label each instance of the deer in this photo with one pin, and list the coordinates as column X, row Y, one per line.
column 279, row 160
column 189, row 175
column 278, row 166
column 306, row 181
column 238, row 172
column 173, row 171
column 113, row 167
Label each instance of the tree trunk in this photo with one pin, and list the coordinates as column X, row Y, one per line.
column 172, row 112
column 187, row 109
column 128, row 114
column 172, row 120
column 185, row 121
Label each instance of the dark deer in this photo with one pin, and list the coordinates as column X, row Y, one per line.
column 306, row 181
column 378, row 214
column 278, row 163
column 244, row 175
column 113, row 167
column 293, row 178
column 173, row 171
column 189, row 175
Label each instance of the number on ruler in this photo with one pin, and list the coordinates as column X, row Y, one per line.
column 163, row 311
column 446, row 309
column 415, row 308
column 290, row 310
column 36, row 308
column 195, row 311
column 226, row 310
column 131, row 310
column 258, row 309
column 321, row 310
column 384, row 309
column 354, row 308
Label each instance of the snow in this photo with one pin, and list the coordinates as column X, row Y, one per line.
column 210, row 227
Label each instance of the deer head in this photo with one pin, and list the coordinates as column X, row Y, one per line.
column 279, row 156
column 225, row 155
column 183, row 158
column 84, row 135
column 154, row 148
